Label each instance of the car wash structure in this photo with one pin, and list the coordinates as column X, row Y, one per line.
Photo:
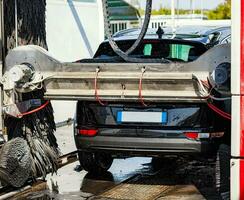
column 31, row 69
column 237, row 89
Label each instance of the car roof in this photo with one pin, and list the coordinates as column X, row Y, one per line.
column 195, row 33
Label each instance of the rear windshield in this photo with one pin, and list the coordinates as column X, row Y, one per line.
column 169, row 49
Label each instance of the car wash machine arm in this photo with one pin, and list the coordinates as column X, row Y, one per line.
column 29, row 68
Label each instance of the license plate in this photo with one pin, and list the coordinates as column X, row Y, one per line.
column 141, row 117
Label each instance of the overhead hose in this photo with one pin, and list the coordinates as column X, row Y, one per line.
column 143, row 29
column 140, row 88
column 219, row 112
column 96, row 92
column 205, row 90
column 125, row 55
column 35, row 110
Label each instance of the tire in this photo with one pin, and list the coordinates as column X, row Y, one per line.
column 157, row 163
column 95, row 163
column 223, row 171
column 160, row 163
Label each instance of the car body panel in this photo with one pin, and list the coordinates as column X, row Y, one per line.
column 140, row 146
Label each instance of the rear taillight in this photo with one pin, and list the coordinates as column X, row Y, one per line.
column 196, row 135
column 191, row 135
column 88, row 132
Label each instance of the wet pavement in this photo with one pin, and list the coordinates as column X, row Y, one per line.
column 70, row 183
column 133, row 178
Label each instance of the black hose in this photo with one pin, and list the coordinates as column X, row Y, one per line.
column 125, row 55
column 143, row 29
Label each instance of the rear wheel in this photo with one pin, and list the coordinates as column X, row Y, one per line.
column 159, row 163
column 223, row 171
column 95, row 162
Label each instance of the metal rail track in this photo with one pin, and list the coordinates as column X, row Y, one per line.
column 67, row 159
column 64, row 123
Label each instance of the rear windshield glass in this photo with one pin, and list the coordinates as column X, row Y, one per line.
column 170, row 49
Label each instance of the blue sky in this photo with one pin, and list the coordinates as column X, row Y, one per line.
column 207, row 4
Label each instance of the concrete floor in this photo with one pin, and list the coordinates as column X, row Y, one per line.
column 65, row 139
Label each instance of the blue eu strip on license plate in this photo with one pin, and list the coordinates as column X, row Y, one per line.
column 141, row 117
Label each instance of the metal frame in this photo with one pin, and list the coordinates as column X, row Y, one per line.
column 116, row 81
column 2, row 53
column 237, row 77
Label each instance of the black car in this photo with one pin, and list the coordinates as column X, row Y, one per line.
column 205, row 34
column 123, row 129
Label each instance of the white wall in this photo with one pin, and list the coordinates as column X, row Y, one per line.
column 74, row 31
column 74, row 28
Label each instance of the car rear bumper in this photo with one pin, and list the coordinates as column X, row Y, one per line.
column 142, row 146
